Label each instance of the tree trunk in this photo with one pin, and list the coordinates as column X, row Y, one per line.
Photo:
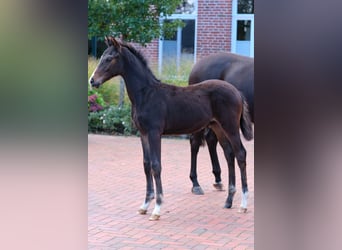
column 122, row 92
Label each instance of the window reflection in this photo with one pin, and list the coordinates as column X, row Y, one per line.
column 244, row 30
column 245, row 6
column 186, row 7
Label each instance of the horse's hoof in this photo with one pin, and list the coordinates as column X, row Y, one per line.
column 154, row 217
column 142, row 211
column 197, row 190
column 227, row 205
column 218, row 186
column 242, row 210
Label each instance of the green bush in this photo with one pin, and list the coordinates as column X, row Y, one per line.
column 99, row 98
column 112, row 120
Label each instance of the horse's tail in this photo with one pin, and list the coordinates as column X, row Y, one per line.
column 245, row 123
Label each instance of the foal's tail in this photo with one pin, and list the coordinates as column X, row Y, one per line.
column 245, row 123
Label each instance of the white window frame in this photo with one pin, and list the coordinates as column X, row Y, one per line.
column 237, row 17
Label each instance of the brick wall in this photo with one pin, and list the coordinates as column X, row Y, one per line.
column 150, row 52
column 214, row 23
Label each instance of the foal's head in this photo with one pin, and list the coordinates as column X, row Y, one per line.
column 110, row 64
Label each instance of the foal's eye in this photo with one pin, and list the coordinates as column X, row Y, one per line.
column 108, row 59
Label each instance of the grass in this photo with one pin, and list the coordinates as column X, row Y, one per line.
column 170, row 75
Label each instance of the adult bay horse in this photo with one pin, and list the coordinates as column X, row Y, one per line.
column 159, row 108
column 239, row 71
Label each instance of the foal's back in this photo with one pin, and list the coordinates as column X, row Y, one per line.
column 207, row 93
column 192, row 108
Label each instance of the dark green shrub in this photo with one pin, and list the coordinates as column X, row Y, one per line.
column 112, row 120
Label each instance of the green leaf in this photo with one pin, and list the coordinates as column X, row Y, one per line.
column 134, row 20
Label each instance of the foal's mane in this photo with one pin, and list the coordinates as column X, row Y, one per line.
column 141, row 58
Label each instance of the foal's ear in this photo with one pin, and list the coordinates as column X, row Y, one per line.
column 110, row 41
column 107, row 42
column 116, row 44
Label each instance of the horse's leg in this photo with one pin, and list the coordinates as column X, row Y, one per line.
column 195, row 143
column 211, row 139
column 148, row 174
column 240, row 153
column 227, row 149
column 229, row 155
column 233, row 135
column 154, row 140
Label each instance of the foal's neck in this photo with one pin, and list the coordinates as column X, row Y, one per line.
column 138, row 77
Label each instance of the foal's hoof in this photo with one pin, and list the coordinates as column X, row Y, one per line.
column 142, row 211
column 154, row 217
column 197, row 190
column 218, row 186
column 242, row 210
column 227, row 205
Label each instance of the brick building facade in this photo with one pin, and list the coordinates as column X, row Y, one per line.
column 214, row 23
column 211, row 26
column 218, row 25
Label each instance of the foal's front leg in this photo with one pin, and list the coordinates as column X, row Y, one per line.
column 154, row 139
column 148, row 174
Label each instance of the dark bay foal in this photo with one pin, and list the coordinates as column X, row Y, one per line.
column 159, row 108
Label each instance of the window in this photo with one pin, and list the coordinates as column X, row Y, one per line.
column 180, row 49
column 243, row 27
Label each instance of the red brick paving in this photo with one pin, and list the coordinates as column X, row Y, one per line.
column 116, row 189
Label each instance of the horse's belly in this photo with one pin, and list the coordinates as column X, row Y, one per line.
column 182, row 130
column 186, row 123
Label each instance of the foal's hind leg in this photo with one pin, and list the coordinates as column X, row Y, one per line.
column 211, row 139
column 230, row 133
column 240, row 153
column 148, row 175
column 227, row 149
column 195, row 143
column 229, row 155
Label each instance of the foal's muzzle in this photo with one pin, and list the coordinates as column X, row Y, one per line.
column 93, row 83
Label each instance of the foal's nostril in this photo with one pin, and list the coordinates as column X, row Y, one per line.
column 91, row 80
